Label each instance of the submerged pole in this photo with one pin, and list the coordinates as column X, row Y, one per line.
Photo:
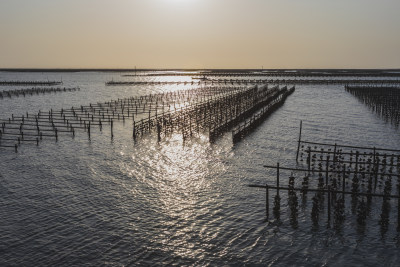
column 134, row 131
column 112, row 134
column 277, row 178
column 329, row 206
column 398, row 210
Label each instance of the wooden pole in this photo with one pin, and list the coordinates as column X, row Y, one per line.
column 112, row 134
column 398, row 210
column 329, row 206
column 334, row 154
column 267, row 200
column 298, row 145
column 356, row 170
column 309, row 160
column 89, row 129
column 344, row 179
column 277, row 178
column 158, row 132
column 134, row 131
column 376, row 169
column 327, row 172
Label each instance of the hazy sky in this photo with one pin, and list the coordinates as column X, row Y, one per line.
column 200, row 33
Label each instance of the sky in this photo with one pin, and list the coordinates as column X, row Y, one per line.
column 200, row 34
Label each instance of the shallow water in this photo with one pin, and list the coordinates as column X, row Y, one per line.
column 116, row 202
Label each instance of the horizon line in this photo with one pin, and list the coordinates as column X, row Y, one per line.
column 187, row 69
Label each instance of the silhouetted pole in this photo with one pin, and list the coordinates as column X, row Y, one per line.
column 298, row 145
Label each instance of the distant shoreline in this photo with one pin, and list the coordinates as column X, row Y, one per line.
column 211, row 70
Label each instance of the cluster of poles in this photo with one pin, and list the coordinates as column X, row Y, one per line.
column 30, row 83
column 262, row 81
column 114, row 83
column 384, row 100
column 307, row 81
column 212, row 110
column 35, row 90
column 335, row 171
column 272, row 74
column 255, row 120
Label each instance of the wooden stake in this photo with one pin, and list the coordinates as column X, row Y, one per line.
column 298, row 145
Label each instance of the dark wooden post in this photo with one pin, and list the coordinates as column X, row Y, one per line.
column 298, row 145
column 376, row 168
column 267, row 200
column 112, row 134
column 134, row 131
column 89, row 129
column 356, row 170
column 334, row 154
column 344, row 179
column 277, row 179
column 158, row 131
column 150, row 119
column 398, row 210
column 329, row 206
column 309, row 160
column 327, row 173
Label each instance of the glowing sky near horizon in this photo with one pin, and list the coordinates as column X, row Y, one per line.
column 199, row 34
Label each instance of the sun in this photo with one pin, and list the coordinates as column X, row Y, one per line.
column 180, row 1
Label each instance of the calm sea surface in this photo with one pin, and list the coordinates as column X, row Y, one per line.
column 114, row 202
